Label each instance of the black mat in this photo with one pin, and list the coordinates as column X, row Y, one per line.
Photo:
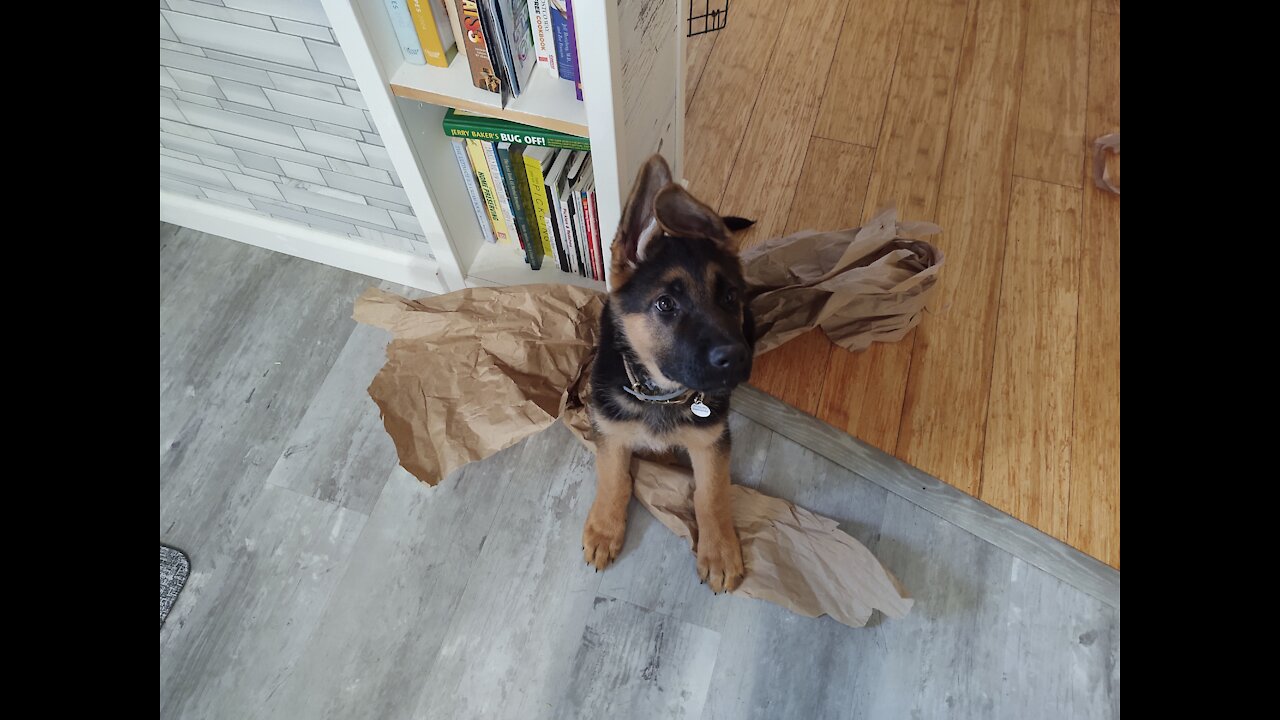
column 174, row 568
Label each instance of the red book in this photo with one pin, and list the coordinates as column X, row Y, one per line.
column 595, row 228
column 591, row 235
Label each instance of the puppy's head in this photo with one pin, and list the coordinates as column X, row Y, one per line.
column 678, row 292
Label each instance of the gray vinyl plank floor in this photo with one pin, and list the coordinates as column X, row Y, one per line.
column 327, row 583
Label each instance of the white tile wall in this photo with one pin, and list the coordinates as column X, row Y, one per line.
column 217, row 12
column 301, row 172
column 240, row 124
column 360, row 171
column 336, row 113
column 338, row 130
column 345, row 208
column 196, row 83
column 258, row 162
column 198, row 63
column 330, row 145
column 243, row 93
column 254, row 186
column 328, row 58
column 240, row 39
column 258, row 111
column 315, row 32
column 308, row 11
column 365, row 187
column 269, row 65
column 305, row 87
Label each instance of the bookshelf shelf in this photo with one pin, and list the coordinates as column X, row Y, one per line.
column 549, row 102
column 632, row 67
column 503, row 265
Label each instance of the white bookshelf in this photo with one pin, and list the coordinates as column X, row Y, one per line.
column 631, row 55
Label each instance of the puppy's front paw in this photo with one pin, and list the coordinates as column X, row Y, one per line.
column 720, row 561
column 602, row 539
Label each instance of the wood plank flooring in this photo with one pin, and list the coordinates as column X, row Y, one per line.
column 944, row 108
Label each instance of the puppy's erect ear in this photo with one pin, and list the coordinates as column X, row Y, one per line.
column 682, row 215
column 639, row 224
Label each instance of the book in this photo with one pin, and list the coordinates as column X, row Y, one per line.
column 476, row 44
column 511, row 160
column 543, row 43
column 504, row 199
column 594, row 219
column 573, row 43
column 585, row 183
column 566, row 49
column 517, row 35
column 451, row 8
column 406, row 34
column 469, row 179
column 535, row 159
column 554, row 216
column 498, row 51
column 566, row 222
column 475, row 151
column 575, row 230
column 570, row 197
column 459, row 123
column 432, row 24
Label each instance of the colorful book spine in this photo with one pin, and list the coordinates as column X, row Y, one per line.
column 573, row 43
column 451, row 9
column 566, row 221
column 469, row 179
column 432, row 24
column 538, row 198
column 580, row 235
column 478, row 127
column 475, row 152
column 499, row 48
column 540, row 34
column 594, row 219
column 504, row 200
column 555, row 237
column 510, row 160
column 566, row 50
column 543, row 38
column 555, row 220
column 591, row 237
column 516, row 24
column 406, row 34
column 477, row 47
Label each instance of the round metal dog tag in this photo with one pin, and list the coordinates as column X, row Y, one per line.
column 700, row 409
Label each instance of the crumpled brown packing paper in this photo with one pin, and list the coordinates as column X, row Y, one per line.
column 871, row 288
column 475, row 371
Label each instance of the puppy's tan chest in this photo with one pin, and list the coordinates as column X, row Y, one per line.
column 638, row 435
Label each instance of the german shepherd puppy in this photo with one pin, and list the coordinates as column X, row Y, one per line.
column 676, row 337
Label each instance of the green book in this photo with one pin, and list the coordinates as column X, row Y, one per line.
column 462, row 124
column 535, row 158
column 511, row 159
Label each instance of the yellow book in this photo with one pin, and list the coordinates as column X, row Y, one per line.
column 431, row 20
column 533, row 159
column 476, row 154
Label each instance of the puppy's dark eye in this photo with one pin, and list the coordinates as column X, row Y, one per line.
column 665, row 304
column 731, row 296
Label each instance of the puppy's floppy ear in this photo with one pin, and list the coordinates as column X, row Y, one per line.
column 639, row 224
column 682, row 215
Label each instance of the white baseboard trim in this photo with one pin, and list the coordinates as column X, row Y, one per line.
column 397, row 266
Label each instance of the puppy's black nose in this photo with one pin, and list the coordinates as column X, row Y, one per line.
column 727, row 357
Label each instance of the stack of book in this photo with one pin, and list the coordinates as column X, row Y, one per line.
column 502, row 39
column 531, row 189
